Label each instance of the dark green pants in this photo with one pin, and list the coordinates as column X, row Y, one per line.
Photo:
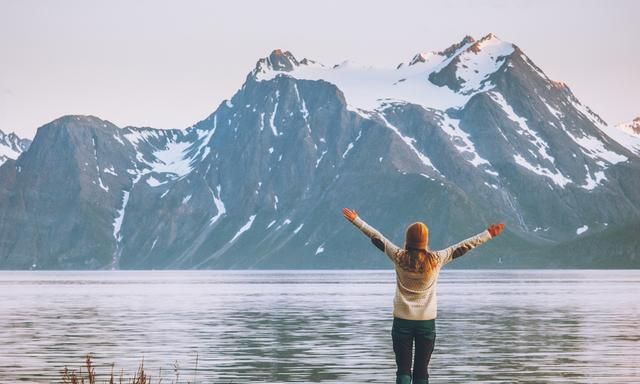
column 404, row 333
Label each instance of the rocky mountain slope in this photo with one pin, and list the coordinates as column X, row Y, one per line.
column 473, row 134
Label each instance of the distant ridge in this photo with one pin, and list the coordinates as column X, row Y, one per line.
column 11, row 146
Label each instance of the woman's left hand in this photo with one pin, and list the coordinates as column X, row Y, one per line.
column 495, row 229
column 349, row 214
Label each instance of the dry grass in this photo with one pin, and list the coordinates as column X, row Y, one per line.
column 89, row 375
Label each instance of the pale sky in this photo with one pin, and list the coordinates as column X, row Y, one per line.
column 168, row 64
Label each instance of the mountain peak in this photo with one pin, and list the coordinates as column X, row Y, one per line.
column 451, row 50
column 489, row 36
column 253, row 185
column 468, row 43
column 489, row 40
column 278, row 61
column 419, row 58
column 74, row 120
column 632, row 127
column 471, row 63
column 423, row 57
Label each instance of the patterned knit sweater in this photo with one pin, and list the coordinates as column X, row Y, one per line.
column 415, row 297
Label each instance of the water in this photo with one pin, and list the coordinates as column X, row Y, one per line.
column 326, row 326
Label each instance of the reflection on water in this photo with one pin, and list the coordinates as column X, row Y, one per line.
column 328, row 326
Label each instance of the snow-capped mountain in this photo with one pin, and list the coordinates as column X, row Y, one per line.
column 11, row 146
column 459, row 138
column 632, row 127
column 424, row 80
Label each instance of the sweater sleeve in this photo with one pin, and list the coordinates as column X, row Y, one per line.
column 455, row 251
column 381, row 242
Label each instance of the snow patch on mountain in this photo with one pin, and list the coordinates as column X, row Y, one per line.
column 320, row 158
column 557, row 177
column 366, row 87
column 102, row 186
column 410, row 142
column 462, row 141
column 595, row 147
column 117, row 221
column 285, row 222
column 592, row 181
column 217, row 201
column 534, row 138
column 173, row 159
column 244, row 228
column 95, row 156
column 137, row 135
column 559, row 115
column 632, row 143
column 349, row 147
column 171, row 151
column 582, row 230
column 205, row 136
column 110, row 171
column 273, row 115
column 303, row 108
column 524, row 129
column 153, row 182
column 7, row 152
column 478, row 62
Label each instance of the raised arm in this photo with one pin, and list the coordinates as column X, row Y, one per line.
column 381, row 242
column 447, row 255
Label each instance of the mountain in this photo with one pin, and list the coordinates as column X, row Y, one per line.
column 11, row 146
column 632, row 128
column 459, row 138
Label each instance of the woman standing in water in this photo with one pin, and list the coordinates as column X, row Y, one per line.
column 414, row 305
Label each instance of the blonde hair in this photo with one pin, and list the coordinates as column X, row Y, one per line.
column 418, row 260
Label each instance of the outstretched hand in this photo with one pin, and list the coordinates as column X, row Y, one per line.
column 349, row 214
column 495, row 229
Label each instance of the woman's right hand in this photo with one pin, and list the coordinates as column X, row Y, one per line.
column 349, row 214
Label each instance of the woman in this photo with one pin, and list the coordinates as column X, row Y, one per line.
column 414, row 305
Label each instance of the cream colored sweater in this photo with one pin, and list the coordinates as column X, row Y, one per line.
column 415, row 297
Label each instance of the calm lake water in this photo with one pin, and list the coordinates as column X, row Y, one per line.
column 319, row 326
